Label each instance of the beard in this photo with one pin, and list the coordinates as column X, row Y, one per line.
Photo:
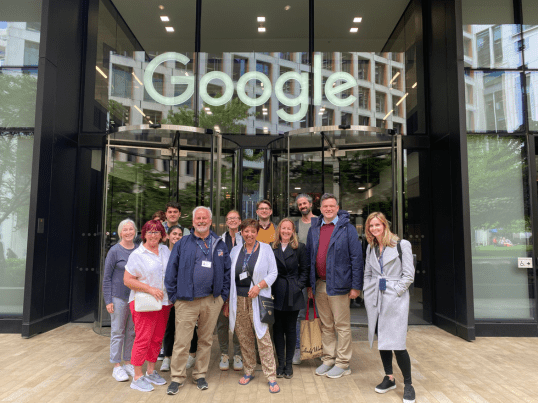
column 305, row 211
column 201, row 229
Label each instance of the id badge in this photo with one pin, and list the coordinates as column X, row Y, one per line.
column 243, row 275
column 206, row 264
column 382, row 284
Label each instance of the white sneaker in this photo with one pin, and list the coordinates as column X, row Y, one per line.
column 165, row 367
column 190, row 361
column 224, row 362
column 119, row 374
column 129, row 369
column 238, row 363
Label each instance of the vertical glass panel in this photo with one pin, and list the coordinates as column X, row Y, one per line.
column 487, row 12
column 253, row 174
column 494, row 101
column 500, row 227
column 532, row 100
column 258, row 44
column 15, row 179
column 488, row 46
column 530, row 33
column 18, row 89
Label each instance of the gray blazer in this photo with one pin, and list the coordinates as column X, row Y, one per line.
column 389, row 310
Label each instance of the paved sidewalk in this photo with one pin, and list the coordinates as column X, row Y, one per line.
column 70, row 364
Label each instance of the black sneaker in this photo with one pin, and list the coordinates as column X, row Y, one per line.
column 288, row 372
column 386, row 385
column 409, row 394
column 173, row 388
column 201, row 383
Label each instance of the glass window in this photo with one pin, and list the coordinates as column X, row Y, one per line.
column 532, row 100
column 15, row 179
column 496, row 100
column 263, row 112
column 346, row 118
column 347, row 62
column 153, row 116
column 500, row 227
column 380, row 73
column 380, row 102
column 122, row 81
column 288, row 86
column 158, row 84
column 240, row 67
column 31, row 53
column 364, row 98
column 214, row 63
column 363, row 65
column 18, row 101
column 364, row 120
column 327, row 119
column 327, row 60
column 380, row 123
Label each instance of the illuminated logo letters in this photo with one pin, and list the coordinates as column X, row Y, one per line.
column 331, row 89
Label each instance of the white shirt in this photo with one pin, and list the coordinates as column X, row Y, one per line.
column 149, row 268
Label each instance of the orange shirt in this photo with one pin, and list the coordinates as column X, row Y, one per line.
column 266, row 235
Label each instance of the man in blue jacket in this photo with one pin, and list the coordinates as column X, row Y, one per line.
column 198, row 283
column 336, row 275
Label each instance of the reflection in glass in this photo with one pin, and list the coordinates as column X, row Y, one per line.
column 532, row 100
column 18, row 88
column 492, row 46
column 494, row 101
column 15, row 179
column 500, row 227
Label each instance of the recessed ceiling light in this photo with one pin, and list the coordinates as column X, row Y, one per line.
column 354, row 29
column 261, row 29
column 297, row 187
column 162, row 186
column 357, row 19
column 287, row 8
column 165, row 18
column 161, row 7
column 362, row 188
column 169, row 29
column 261, row 19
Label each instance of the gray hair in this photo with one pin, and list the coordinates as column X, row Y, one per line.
column 308, row 198
column 328, row 196
column 202, row 207
column 122, row 225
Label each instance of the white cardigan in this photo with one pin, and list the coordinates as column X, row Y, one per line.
column 265, row 269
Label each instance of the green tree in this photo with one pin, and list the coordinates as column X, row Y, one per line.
column 17, row 100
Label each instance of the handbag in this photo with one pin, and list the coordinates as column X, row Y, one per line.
column 311, row 345
column 267, row 309
column 146, row 302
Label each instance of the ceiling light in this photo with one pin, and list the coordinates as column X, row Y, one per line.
column 169, row 29
column 162, row 186
column 102, row 72
column 261, row 19
column 297, row 187
column 150, row 121
column 209, row 113
column 414, row 85
column 386, row 116
column 261, row 29
column 287, row 8
column 161, row 7
column 186, row 73
column 362, row 188
column 354, row 29
column 401, row 99
column 357, row 19
column 139, row 110
column 136, row 78
column 207, row 109
column 164, row 18
column 394, row 78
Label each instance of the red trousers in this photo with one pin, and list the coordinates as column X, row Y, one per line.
column 149, row 332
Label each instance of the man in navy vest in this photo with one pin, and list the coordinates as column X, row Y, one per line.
column 336, row 275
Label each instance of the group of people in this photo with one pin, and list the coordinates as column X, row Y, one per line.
column 205, row 281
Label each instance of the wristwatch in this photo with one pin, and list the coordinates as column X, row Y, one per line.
column 258, row 285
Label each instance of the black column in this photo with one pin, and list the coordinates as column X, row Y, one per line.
column 50, row 234
column 449, row 192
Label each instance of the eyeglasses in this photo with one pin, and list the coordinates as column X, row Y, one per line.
column 153, row 233
column 262, row 209
column 233, row 218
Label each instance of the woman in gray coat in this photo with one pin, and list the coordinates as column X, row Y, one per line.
column 388, row 273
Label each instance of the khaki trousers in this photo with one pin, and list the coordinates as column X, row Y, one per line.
column 206, row 311
column 335, row 319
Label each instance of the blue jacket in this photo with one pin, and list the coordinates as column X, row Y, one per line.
column 179, row 272
column 345, row 267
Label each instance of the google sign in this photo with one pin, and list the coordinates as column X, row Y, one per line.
column 331, row 89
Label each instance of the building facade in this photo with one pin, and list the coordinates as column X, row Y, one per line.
column 426, row 111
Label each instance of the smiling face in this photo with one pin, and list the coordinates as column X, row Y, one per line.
column 264, row 211
column 127, row 232
column 286, row 231
column 172, row 215
column 329, row 209
column 201, row 221
column 376, row 228
column 304, row 206
column 174, row 236
column 249, row 235
column 233, row 221
column 153, row 237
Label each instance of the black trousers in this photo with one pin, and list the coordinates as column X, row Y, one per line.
column 285, row 336
column 168, row 340
column 403, row 360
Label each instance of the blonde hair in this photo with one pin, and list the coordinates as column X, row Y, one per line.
column 389, row 239
column 122, row 224
column 294, row 241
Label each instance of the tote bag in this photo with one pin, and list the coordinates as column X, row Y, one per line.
column 311, row 335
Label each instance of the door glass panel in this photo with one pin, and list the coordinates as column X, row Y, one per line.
column 253, row 184
column 500, row 227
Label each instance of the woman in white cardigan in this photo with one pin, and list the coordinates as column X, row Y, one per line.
column 253, row 272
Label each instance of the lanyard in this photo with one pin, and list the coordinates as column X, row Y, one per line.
column 380, row 260
column 206, row 246
column 247, row 256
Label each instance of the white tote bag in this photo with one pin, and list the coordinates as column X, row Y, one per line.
column 146, row 302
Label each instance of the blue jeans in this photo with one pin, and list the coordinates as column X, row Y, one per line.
column 122, row 333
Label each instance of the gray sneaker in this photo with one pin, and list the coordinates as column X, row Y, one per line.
column 141, row 384
column 190, row 361
column 296, row 357
column 129, row 369
column 323, row 369
column 337, row 372
column 155, row 378
column 238, row 363
column 165, row 366
column 224, row 362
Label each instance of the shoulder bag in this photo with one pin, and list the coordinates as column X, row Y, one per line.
column 146, row 302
